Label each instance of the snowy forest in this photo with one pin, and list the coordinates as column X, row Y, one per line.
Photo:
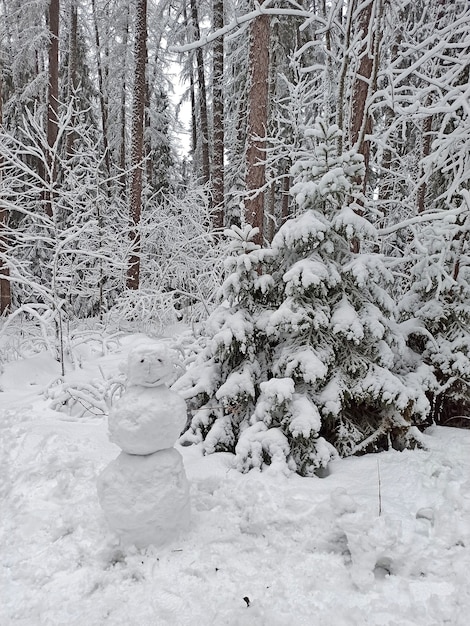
column 318, row 227
column 277, row 190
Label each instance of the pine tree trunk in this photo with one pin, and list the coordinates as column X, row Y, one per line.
column 361, row 122
column 426, row 136
column 123, row 105
column 341, row 105
column 133, row 272
column 385, row 190
column 52, row 99
column 5, row 289
column 72, row 70
column 257, row 123
column 101, row 88
column 286, row 184
column 203, row 117
column 192, row 93
column 218, row 117
column 427, row 126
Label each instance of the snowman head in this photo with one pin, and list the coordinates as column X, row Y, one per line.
column 152, row 366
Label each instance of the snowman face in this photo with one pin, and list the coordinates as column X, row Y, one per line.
column 150, row 366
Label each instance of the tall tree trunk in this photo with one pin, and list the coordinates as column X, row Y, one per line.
column 203, row 117
column 427, row 128
column 72, row 70
column 341, row 106
column 361, row 121
column 286, row 184
column 52, row 99
column 385, row 190
column 426, row 151
column 122, row 148
column 218, row 116
column 329, row 73
column 5, row 289
column 192, row 92
column 257, row 123
column 101, row 88
column 138, row 107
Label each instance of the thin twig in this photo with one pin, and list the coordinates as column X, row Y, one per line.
column 380, row 488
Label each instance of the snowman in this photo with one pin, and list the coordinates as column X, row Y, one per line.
column 144, row 492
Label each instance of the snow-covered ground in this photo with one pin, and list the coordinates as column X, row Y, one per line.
column 382, row 540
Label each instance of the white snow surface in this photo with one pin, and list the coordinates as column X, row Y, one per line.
column 263, row 548
column 147, row 419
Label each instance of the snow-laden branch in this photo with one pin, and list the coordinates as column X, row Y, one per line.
column 237, row 22
column 425, row 217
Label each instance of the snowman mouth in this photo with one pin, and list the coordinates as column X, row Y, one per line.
column 154, row 382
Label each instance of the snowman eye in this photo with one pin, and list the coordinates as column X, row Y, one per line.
column 142, row 360
column 159, row 360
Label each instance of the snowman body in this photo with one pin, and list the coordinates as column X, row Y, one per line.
column 144, row 492
column 145, row 498
column 147, row 419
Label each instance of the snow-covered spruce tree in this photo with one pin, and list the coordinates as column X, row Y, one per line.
column 221, row 386
column 307, row 359
column 334, row 332
column 439, row 297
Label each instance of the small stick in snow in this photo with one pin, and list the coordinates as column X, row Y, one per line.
column 380, row 488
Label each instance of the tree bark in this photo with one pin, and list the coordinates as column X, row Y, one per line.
column 361, row 122
column 426, row 136
column 101, row 88
column 122, row 147
column 138, row 107
column 203, row 117
column 192, row 93
column 257, row 124
column 285, row 205
column 340, row 106
column 72, row 70
column 52, row 99
column 427, row 129
column 5, row 288
column 218, row 116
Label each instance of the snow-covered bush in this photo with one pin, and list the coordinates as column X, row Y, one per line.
column 181, row 264
column 305, row 342
column 84, row 399
column 70, row 256
column 439, row 297
column 222, row 379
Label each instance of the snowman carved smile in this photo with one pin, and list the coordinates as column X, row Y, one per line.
column 151, row 366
